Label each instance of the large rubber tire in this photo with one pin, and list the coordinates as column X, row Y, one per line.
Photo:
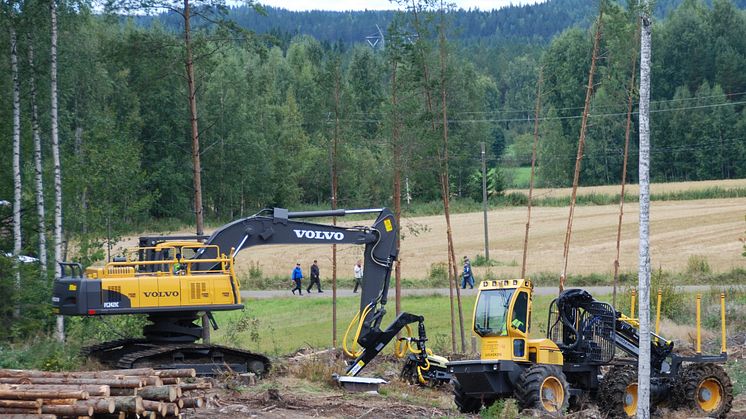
column 705, row 388
column 543, row 388
column 617, row 394
column 465, row 403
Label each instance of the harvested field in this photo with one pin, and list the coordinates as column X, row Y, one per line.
column 679, row 229
column 633, row 189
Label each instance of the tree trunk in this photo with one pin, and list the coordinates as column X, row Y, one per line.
column 533, row 170
column 37, row 163
column 132, row 404
column 91, row 389
column 99, row 405
column 643, row 286
column 193, row 120
column 445, row 178
column 42, row 394
column 396, row 146
column 581, row 144
column 163, row 393
column 335, row 143
column 16, row 169
column 60, row 331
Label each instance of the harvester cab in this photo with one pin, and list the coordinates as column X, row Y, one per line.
column 590, row 353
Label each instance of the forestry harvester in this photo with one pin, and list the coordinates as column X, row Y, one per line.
column 577, row 360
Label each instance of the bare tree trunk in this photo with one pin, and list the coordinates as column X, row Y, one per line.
column 533, row 170
column 37, row 163
column 581, row 144
column 643, row 286
column 198, row 210
column 396, row 140
column 445, row 179
column 335, row 142
column 628, row 129
column 60, row 332
column 16, row 168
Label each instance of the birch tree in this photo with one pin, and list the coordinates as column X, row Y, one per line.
column 16, row 165
column 39, row 181
column 643, row 286
column 60, row 332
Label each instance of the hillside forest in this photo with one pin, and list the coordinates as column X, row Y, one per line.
column 278, row 108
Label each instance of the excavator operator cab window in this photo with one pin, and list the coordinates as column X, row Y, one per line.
column 520, row 312
column 492, row 312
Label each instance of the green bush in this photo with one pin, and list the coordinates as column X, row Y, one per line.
column 502, row 409
column 42, row 353
column 438, row 271
column 697, row 265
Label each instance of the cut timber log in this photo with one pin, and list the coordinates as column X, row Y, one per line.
column 118, row 415
column 43, row 394
column 67, row 410
column 192, row 402
column 152, row 380
column 170, row 409
column 153, row 406
column 123, row 391
column 99, row 405
column 21, row 404
column 169, row 381
column 6, row 373
column 92, row 390
column 150, row 415
column 195, row 386
column 121, row 382
column 163, row 393
column 28, row 416
column 181, row 373
column 129, row 404
column 17, row 410
column 58, row 401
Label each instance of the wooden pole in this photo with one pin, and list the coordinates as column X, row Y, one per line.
column 581, row 144
column 484, row 203
column 533, row 170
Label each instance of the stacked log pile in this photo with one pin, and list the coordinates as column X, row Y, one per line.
column 141, row 392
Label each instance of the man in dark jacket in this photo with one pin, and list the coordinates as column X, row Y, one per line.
column 297, row 276
column 314, row 277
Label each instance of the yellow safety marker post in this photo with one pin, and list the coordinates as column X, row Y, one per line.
column 699, row 334
column 722, row 323
column 632, row 305
column 658, row 315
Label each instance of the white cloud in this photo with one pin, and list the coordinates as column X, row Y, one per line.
column 383, row 4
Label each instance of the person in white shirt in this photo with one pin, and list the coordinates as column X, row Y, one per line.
column 358, row 275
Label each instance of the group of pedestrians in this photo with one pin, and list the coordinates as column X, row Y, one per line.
column 467, row 277
column 315, row 278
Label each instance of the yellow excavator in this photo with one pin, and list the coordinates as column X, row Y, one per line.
column 175, row 279
column 578, row 360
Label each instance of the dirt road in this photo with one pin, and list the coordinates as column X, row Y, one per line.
column 601, row 290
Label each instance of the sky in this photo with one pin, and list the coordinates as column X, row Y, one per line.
column 381, row 4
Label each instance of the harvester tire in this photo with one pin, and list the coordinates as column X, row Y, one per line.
column 543, row 388
column 617, row 394
column 705, row 388
column 465, row 403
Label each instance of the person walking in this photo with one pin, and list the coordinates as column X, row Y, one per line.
column 358, row 270
column 297, row 276
column 468, row 276
column 314, row 277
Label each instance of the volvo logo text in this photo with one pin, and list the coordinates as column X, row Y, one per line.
column 319, row 235
column 161, row 293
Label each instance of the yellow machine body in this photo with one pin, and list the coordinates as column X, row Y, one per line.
column 502, row 320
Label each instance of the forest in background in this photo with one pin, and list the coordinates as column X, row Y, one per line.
column 271, row 101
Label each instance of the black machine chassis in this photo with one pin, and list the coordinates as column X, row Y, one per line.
column 205, row 359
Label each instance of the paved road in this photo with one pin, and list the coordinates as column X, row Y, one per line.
column 596, row 290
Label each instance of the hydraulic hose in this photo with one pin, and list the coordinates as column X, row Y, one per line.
column 360, row 319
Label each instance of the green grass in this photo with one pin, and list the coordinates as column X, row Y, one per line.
column 521, row 176
column 284, row 325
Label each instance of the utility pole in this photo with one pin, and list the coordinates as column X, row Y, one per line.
column 643, row 284
column 484, row 204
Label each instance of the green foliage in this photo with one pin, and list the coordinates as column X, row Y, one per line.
column 501, row 408
column 41, row 353
column 697, row 265
column 437, row 271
